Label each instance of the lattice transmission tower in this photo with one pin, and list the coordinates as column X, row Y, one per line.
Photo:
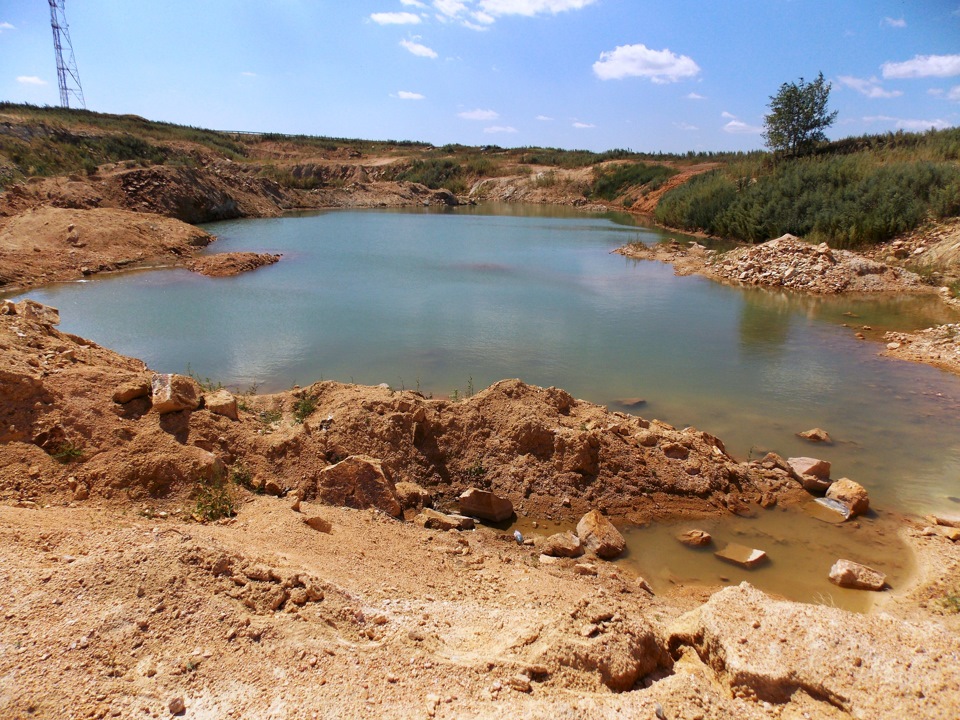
column 67, row 75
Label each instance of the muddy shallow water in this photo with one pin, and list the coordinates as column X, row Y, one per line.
column 451, row 301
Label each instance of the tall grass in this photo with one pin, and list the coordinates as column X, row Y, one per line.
column 611, row 181
column 867, row 190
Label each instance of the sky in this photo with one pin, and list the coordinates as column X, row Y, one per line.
column 668, row 76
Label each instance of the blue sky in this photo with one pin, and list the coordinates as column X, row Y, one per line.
column 595, row 74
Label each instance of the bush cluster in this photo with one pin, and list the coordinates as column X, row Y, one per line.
column 846, row 198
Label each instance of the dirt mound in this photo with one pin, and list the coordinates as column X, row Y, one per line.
column 229, row 264
column 547, row 452
column 48, row 244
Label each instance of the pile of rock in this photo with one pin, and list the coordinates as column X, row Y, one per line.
column 847, row 496
column 938, row 346
column 791, row 263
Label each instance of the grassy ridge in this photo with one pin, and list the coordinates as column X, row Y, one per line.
column 853, row 192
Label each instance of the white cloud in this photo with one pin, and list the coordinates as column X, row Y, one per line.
column 694, row 96
column 728, row 116
column 908, row 124
column 478, row 114
column 406, row 95
column 871, row 88
column 686, row 126
column 247, row 73
column 418, row 49
column 413, row 3
column 6, row 26
column 738, row 127
column 481, row 14
column 921, row 125
column 529, row 8
column 500, row 129
column 544, row 118
column 31, row 80
column 894, row 22
column 923, row 66
column 936, row 92
column 661, row 66
column 583, row 126
column 954, row 93
column 395, row 18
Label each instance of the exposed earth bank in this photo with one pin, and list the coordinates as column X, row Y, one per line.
column 321, row 598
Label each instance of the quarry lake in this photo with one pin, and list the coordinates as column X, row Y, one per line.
column 452, row 300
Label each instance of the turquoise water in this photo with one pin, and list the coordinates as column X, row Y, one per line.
column 446, row 300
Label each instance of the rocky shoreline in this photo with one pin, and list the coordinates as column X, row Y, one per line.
column 329, row 572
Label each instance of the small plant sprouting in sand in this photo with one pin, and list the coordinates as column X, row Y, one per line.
column 455, row 395
column 67, row 452
column 205, row 383
column 470, row 387
column 477, row 471
column 213, row 499
column 951, row 602
column 303, row 408
column 270, row 417
column 240, row 475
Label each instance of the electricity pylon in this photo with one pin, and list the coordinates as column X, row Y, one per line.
column 67, row 75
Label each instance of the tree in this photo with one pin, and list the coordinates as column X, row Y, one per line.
column 798, row 116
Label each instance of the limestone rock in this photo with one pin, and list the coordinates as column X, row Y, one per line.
column 221, row 402
column 318, row 524
column 770, row 648
column 485, row 505
column 172, row 393
column 695, row 538
column 741, row 555
column 434, row 520
column 412, row 496
column 564, row 544
column 849, row 574
column 850, row 493
column 817, row 435
column 358, row 482
column 131, row 390
column 599, row 536
column 810, row 466
column 32, row 310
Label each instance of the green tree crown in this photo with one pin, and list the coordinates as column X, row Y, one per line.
column 798, row 116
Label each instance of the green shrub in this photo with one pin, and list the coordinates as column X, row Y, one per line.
column 845, row 200
column 213, row 500
column 303, row 408
column 611, row 182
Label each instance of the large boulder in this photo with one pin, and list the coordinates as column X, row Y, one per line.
column 359, row 482
column 599, row 536
column 849, row 574
column 564, row 544
column 814, row 474
column 32, row 310
column 221, row 402
column 132, row 389
column 172, row 393
column 864, row 666
column 485, row 505
column 850, row 493
column 434, row 520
